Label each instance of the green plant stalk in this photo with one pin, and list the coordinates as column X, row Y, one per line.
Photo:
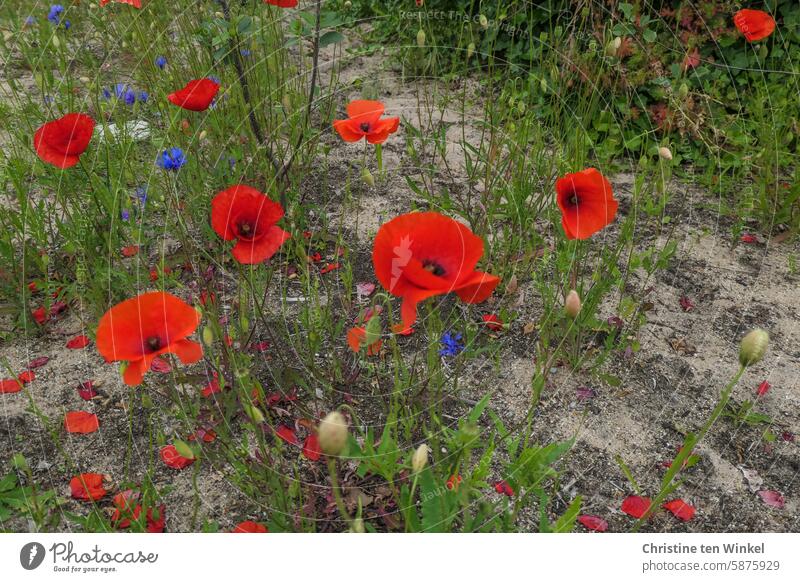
column 689, row 444
column 337, row 493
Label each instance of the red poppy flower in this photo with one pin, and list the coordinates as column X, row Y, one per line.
column 636, row 506
column 78, row 342
column 87, row 487
column 365, row 121
column 357, row 338
column 10, row 386
column 62, row 141
column 130, row 251
column 134, row 3
column 81, row 422
column 140, row 329
column 250, row 217
column 680, row 509
column 453, row 482
column 422, row 254
column 126, row 508
column 311, row 448
column 197, row 95
column 493, row 322
column 213, row 387
column 593, row 522
column 39, row 315
column 173, row 459
column 754, row 24
column 586, row 201
column 282, row 3
column 250, row 527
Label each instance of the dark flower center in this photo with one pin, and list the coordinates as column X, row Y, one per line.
column 573, row 200
column 246, row 229
column 154, row 343
column 433, row 267
column 364, row 126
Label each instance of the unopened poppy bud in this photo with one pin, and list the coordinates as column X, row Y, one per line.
column 470, row 50
column 332, row 434
column 420, row 458
column 348, row 5
column 484, row 21
column 613, row 46
column 420, row 38
column 754, row 346
column 664, row 153
column 219, row 14
column 85, row 80
column 203, row 135
column 366, row 177
column 254, row 413
column 55, row 41
column 208, row 336
column 683, row 90
column 572, row 304
column 357, row 526
column 183, row 448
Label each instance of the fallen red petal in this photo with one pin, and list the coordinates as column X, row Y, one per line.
column 81, row 422
column 636, row 506
column 680, row 509
column 78, row 342
column 593, row 522
column 772, row 498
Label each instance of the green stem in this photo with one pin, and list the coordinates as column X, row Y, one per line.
column 337, row 493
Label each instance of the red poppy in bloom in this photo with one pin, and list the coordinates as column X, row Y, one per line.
column 250, row 527
column 359, row 336
column 87, row 487
column 311, row 448
column 636, row 506
column 62, row 141
column 754, row 24
column 78, row 342
column 81, row 422
column 453, row 482
column 246, row 215
column 680, row 509
column 282, row 3
column 593, row 522
column 10, row 386
column 422, row 254
column 364, row 120
column 140, row 329
column 134, row 3
column 197, row 95
column 173, row 459
column 39, row 315
column 586, row 201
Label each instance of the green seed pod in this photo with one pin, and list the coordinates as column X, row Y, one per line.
column 470, row 50
column 683, row 90
column 484, row 21
column 366, row 177
column 254, row 413
column 420, row 38
column 208, row 336
column 183, row 448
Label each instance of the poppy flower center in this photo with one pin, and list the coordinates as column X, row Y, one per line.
column 573, row 200
column 364, row 126
column 154, row 343
column 433, row 267
column 246, row 229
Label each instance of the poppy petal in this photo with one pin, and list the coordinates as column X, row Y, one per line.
column 345, row 130
column 478, row 288
column 81, row 422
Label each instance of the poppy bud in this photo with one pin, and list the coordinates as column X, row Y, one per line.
column 367, row 178
column 183, row 448
column 85, row 80
column 208, row 336
column 420, row 458
column 664, row 153
column 56, row 42
column 470, row 50
column 254, row 413
column 203, row 135
column 613, row 46
column 543, row 85
column 219, row 14
column 372, row 331
column 753, row 347
column 572, row 304
column 332, row 434
column 420, row 38
column 348, row 5
column 357, row 526
column 683, row 90
column 484, row 21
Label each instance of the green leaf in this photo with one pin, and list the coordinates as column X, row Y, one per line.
column 566, row 523
column 432, row 509
column 330, row 37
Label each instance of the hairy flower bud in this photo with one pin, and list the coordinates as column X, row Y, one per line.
column 664, row 153
column 483, row 21
column 420, row 458
column 753, row 347
column 470, row 50
column 332, row 434
column 572, row 304
column 420, row 38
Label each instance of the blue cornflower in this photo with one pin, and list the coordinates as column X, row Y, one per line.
column 172, row 159
column 54, row 16
column 215, row 79
column 125, row 214
column 30, row 21
column 106, row 93
column 67, row 24
column 245, row 52
column 161, row 62
column 452, row 344
column 141, row 194
column 143, row 96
